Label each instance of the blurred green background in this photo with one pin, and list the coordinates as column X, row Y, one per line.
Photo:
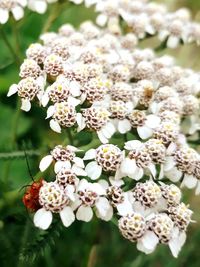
column 96, row 244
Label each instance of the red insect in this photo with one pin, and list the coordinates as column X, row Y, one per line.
column 31, row 196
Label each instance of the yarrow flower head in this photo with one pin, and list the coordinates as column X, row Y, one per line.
column 63, row 157
column 53, row 199
column 127, row 113
column 107, row 158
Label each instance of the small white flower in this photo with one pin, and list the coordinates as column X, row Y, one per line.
column 91, row 195
column 28, row 89
column 118, row 199
column 182, row 164
column 53, row 199
column 97, row 119
column 137, row 162
column 151, row 122
column 107, row 158
column 61, row 90
column 64, row 157
column 63, row 114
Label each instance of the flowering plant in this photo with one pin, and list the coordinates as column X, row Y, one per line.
column 122, row 120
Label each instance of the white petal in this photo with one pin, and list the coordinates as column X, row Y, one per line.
column 101, row 20
column 124, row 126
column 55, row 126
column 26, row 105
column 154, row 107
column 42, row 218
column 119, row 174
column 148, row 242
column 18, row 12
column 79, row 162
column 144, row 132
column 116, row 182
column 22, row 2
column 102, row 205
column 163, row 35
column 39, row 6
column 88, row 3
column 75, row 88
column 138, row 207
column 172, row 41
column 175, row 244
column 76, row 203
column 69, row 191
column 128, row 166
column 4, row 15
column 67, row 216
column 152, row 121
column 84, row 214
column 152, row 169
column 189, row 181
column 78, row 171
column 171, row 148
column 73, row 148
column 108, row 130
column 90, row 154
column 80, row 121
column 39, row 96
column 104, row 184
column 150, row 29
column 83, row 185
column 197, row 191
column 93, row 170
column 45, row 162
column 108, row 216
column 45, row 101
column 138, row 174
column 12, row 90
column 50, row 111
column 161, row 174
column 169, row 163
column 61, row 164
column 83, row 97
column 174, row 174
column 125, row 207
column 73, row 101
column 134, row 144
column 102, row 138
column 98, row 188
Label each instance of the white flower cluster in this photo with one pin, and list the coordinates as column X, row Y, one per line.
column 149, row 213
column 16, row 8
column 96, row 80
column 157, row 217
column 145, row 18
column 124, row 88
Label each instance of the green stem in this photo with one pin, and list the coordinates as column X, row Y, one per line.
column 70, row 137
column 92, row 144
column 17, row 40
column 92, row 256
column 13, row 138
column 15, row 123
column 53, row 15
column 10, row 48
column 18, row 154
